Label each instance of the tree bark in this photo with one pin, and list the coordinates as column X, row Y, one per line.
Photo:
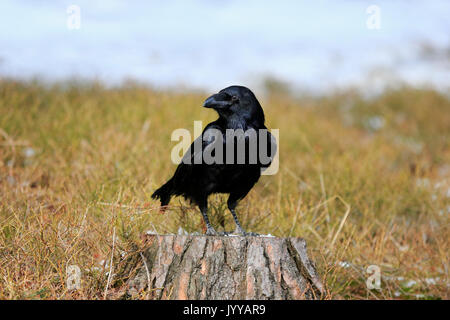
column 229, row 267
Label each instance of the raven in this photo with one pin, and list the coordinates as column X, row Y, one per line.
column 239, row 111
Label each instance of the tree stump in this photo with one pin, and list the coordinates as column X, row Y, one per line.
column 228, row 267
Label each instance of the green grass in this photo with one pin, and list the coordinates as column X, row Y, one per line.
column 364, row 181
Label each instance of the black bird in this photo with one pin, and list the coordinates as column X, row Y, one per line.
column 238, row 108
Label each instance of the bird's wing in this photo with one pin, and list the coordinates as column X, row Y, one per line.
column 195, row 153
column 184, row 174
column 263, row 143
column 271, row 150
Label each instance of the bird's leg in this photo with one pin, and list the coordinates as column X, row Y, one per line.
column 204, row 210
column 239, row 230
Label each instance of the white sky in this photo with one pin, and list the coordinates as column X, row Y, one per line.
column 210, row 44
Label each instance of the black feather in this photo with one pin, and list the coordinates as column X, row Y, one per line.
column 238, row 108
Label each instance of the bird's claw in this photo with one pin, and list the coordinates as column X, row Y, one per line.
column 239, row 232
column 247, row 234
column 211, row 232
column 251, row 234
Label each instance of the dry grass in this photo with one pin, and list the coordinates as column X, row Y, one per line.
column 365, row 181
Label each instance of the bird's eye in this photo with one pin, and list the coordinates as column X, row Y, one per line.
column 234, row 98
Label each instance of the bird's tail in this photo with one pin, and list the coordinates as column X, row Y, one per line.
column 164, row 193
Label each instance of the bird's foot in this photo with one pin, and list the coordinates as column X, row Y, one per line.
column 211, row 232
column 252, row 234
column 241, row 232
column 238, row 232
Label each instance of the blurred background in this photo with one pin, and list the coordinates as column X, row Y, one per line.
column 314, row 46
column 91, row 91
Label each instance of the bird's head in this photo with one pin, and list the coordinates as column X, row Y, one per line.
column 236, row 102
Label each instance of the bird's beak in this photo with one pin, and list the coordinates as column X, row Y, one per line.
column 210, row 102
column 215, row 102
